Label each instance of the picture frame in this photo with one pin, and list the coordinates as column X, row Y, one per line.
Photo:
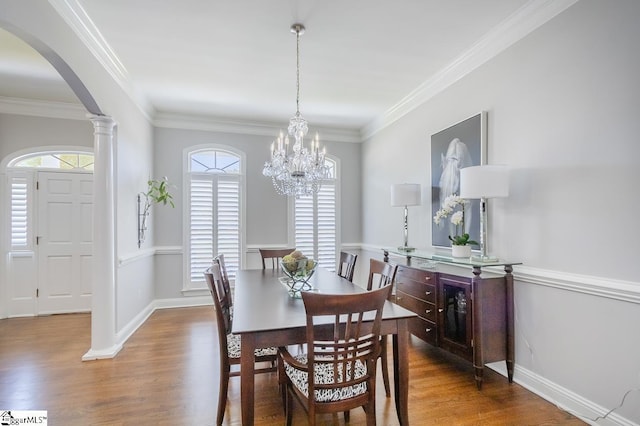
column 461, row 145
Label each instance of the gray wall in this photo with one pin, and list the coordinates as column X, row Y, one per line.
column 20, row 132
column 563, row 107
column 266, row 211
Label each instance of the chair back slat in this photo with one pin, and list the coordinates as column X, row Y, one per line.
column 221, row 299
column 219, row 260
column 273, row 255
column 349, row 346
column 381, row 274
column 347, row 265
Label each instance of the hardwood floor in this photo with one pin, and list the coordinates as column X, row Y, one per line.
column 167, row 374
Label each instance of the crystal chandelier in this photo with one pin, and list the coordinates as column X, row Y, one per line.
column 296, row 170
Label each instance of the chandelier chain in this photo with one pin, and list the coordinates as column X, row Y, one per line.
column 297, row 71
column 297, row 169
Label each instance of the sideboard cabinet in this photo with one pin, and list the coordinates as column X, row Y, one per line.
column 460, row 310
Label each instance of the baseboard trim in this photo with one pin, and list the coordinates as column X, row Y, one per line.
column 587, row 411
column 93, row 354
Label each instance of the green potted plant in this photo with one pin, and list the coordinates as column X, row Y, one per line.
column 461, row 242
column 157, row 193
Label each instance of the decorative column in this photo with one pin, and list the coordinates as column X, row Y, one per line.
column 103, row 310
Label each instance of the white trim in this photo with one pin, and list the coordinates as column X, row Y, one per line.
column 521, row 23
column 625, row 291
column 152, row 251
column 566, row 400
column 76, row 17
column 174, row 120
column 40, row 108
column 111, row 352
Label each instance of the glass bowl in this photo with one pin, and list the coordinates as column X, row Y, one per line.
column 297, row 274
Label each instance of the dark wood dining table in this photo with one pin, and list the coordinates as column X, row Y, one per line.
column 265, row 315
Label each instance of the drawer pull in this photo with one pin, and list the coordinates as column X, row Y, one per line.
column 427, row 278
column 428, row 330
column 428, row 311
column 427, row 293
column 440, row 310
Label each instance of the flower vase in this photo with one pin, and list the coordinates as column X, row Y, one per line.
column 461, row 251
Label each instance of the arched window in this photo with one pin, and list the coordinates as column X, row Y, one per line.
column 55, row 160
column 215, row 210
column 315, row 221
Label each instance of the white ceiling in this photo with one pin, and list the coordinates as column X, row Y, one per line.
column 231, row 59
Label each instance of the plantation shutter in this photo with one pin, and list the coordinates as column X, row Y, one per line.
column 228, row 238
column 327, row 226
column 315, row 225
column 201, row 229
column 215, row 223
column 20, row 229
column 305, row 226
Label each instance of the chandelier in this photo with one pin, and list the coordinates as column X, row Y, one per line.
column 296, row 169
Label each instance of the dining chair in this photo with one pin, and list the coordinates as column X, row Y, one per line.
column 219, row 259
column 274, row 255
column 382, row 274
column 228, row 343
column 347, row 265
column 339, row 371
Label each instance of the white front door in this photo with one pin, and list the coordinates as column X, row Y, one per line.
column 64, row 241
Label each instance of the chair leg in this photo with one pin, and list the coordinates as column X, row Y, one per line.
column 385, row 366
column 282, row 383
column 371, row 415
column 222, row 397
column 289, row 406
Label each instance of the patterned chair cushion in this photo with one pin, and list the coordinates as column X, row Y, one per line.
column 233, row 347
column 324, row 375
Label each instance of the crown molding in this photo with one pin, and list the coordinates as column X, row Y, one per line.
column 259, row 128
column 521, row 23
column 76, row 17
column 39, row 108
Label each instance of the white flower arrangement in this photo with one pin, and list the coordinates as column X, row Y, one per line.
column 451, row 203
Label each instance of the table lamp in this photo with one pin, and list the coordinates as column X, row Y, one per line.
column 405, row 195
column 483, row 182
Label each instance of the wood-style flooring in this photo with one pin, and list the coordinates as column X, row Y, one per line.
column 167, row 374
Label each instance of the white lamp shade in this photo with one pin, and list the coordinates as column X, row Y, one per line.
column 489, row 181
column 406, row 194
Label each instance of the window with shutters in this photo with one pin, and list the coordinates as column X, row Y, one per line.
column 315, row 221
column 215, row 217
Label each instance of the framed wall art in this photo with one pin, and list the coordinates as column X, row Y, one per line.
column 461, row 145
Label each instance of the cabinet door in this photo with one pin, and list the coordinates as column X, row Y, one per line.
column 454, row 314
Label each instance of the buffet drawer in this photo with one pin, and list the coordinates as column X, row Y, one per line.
column 416, row 274
column 417, row 289
column 423, row 329
column 424, row 309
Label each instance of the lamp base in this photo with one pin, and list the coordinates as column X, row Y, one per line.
column 407, row 249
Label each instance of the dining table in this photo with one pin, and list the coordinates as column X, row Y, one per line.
column 265, row 315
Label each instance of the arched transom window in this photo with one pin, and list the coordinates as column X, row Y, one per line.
column 55, row 160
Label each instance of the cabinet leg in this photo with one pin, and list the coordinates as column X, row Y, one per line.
column 479, row 371
column 508, row 269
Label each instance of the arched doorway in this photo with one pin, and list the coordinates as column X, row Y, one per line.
column 103, row 336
